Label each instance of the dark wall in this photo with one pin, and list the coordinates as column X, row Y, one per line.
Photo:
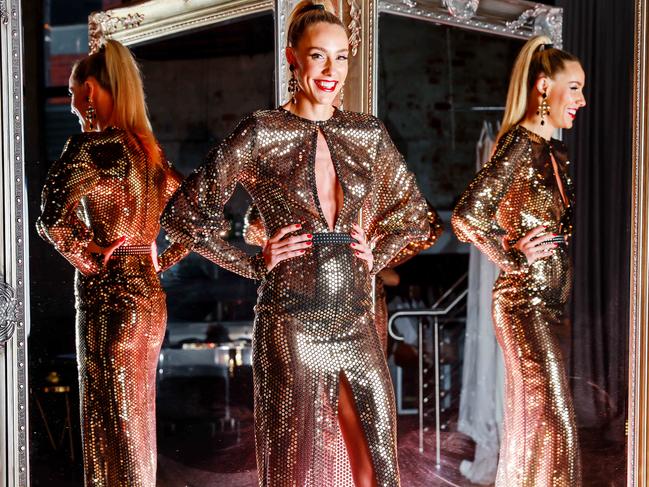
column 432, row 99
column 601, row 34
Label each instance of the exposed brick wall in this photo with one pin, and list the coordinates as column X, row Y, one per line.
column 60, row 68
column 425, row 97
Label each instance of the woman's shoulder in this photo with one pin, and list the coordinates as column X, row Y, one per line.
column 516, row 138
column 359, row 119
column 88, row 141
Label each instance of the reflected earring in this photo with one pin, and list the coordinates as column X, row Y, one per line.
column 544, row 108
column 293, row 87
column 91, row 114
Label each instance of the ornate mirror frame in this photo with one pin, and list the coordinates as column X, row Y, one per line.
column 14, row 467
column 638, row 422
column 153, row 19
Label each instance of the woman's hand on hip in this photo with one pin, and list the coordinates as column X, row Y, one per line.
column 154, row 256
column 107, row 252
column 362, row 248
column 277, row 248
column 536, row 244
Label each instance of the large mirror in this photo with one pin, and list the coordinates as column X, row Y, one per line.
column 443, row 107
column 436, row 73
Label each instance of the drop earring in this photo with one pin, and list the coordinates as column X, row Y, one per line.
column 293, row 86
column 91, row 114
column 544, row 108
column 341, row 97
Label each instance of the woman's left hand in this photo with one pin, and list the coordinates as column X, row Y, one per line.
column 106, row 252
column 154, row 256
column 362, row 249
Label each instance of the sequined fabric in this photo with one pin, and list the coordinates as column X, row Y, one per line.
column 515, row 192
column 408, row 252
column 253, row 231
column 100, row 189
column 314, row 314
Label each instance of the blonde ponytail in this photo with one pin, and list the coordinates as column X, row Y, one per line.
column 307, row 13
column 531, row 61
column 114, row 67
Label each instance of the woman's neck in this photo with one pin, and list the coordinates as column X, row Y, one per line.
column 532, row 122
column 311, row 111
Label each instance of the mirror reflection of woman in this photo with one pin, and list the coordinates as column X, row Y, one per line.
column 323, row 395
column 517, row 211
column 101, row 207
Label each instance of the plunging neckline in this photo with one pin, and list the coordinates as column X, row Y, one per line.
column 558, row 174
column 314, row 182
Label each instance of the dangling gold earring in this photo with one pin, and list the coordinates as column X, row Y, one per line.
column 341, row 97
column 91, row 114
column 293, row 87
column 544, row 108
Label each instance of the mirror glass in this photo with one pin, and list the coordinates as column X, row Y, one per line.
column 198, row 85
column 442, row 104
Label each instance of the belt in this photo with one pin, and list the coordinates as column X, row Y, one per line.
column 133, row 250
column 332, row 238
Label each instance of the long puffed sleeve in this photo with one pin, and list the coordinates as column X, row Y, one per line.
column 194, row 216
column 399, row 213
column 70, row 178
column 254, row 232
column 414, row 248
column 474, row 217
column 176, row 251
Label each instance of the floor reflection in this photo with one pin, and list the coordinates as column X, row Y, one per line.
column 195, row 458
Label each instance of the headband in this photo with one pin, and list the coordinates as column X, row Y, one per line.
column 315, row 6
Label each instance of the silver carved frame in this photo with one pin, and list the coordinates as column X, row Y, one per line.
column 155, row 19
column 14, row 468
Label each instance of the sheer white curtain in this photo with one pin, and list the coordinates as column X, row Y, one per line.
column 481, row 400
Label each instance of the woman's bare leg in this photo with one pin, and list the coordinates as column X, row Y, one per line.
column 354, row 436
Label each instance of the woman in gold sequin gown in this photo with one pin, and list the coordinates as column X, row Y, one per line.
column 101, row 207
column 324, row 404
column 517, row 211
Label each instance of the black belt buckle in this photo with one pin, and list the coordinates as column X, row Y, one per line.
column 559, row 239
column 332, row 238
column 132, row 250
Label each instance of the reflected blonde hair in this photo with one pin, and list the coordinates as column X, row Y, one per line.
column 304, row 15
column 533, row 61
column 116, row 71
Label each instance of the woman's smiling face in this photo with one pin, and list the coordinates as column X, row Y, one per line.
column 320, row 62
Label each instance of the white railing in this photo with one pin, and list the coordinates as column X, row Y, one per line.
column 435, row 312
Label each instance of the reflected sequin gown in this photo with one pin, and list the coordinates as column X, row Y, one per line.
column 102, row 188
column 314, row 314
column 515, row 192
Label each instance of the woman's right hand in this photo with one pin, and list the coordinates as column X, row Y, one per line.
column 107, row 252
column 277, row 248
column 536, row 245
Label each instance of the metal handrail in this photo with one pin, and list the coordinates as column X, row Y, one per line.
column 434, row 313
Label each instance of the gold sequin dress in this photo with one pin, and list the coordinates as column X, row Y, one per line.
column 408, row 252
column 314, row 314
column 254, row 234
column 515, row 192
column 103, row 188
